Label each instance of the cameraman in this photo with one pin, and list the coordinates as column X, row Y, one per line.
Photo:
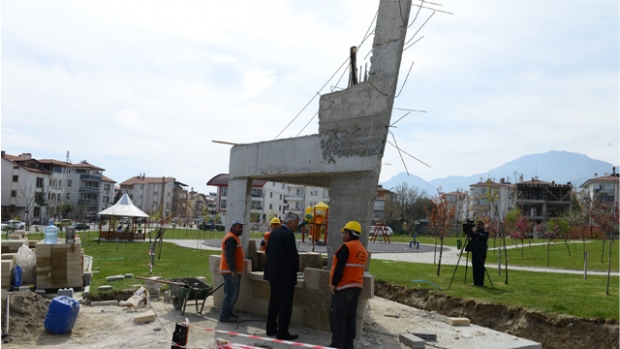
column 478, row 247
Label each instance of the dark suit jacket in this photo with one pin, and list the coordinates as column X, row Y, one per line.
column 282, row 258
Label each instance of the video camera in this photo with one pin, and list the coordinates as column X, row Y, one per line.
column 468, row 226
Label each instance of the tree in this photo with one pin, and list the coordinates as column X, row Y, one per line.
column 522, row 228
column 607, row 220
column 492, row 196
column 410, row 203
column 118, row 196
column 440, row 216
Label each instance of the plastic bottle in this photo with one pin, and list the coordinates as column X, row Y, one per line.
column 17, row 276
column 51, row 234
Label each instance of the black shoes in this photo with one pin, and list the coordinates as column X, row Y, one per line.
column 271, row 334
column 227, row 319
column 288, row 337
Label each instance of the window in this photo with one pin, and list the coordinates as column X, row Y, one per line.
column 15, row 167
column 279, row 208
column 39, row 182
column 223, row 204
column 13, row 193
column 68, row 196
column 300, row 192
column 59, row 197
column 225, row 191
column 271, row 195
column 270, row 206
column 314, row 192
column 274, row 184
column 69, row 182
column 280, row 196
column 15, row 178
column 257, row 193
column 282, row 185
column 257, row 205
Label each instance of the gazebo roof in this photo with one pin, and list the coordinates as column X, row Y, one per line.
column 124, row 208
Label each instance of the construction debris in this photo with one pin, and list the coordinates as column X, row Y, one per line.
column 458, row 321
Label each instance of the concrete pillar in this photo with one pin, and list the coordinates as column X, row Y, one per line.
column 239, row 206
column 351, row 198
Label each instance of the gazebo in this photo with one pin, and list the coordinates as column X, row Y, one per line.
column 123, row 208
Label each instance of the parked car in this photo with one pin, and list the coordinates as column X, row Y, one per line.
column 63, row 223
column 14, row 225
column 388, row 230
column 80, row 226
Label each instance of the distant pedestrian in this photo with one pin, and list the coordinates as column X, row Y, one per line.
column 231, row 267
column 346, row 280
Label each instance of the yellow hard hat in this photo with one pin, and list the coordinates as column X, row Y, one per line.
column 275, row 220
column 353, row 226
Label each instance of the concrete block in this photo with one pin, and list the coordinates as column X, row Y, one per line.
column 262, row 260
column 316, row 279
column 40, row 292
column 8, row 256
column 214, row 264
column 87, row 278
column 427, row 336
column 128, row 276
column 86, row 292
column 146, row 317
column 368, row 290
column 24, row 288
column 104, row 303
column 115, row 278
column 104, row 288
column 65, row 292
column 458, row 321
column 310, row 260
column 411, row 341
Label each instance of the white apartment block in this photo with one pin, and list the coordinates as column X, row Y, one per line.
column 151, row 194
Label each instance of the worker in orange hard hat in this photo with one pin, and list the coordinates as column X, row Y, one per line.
column 273, row 225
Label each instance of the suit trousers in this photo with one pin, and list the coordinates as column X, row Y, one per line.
column 280, row 309
column 477, row 263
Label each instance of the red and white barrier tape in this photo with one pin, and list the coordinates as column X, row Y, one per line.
column 281, row 341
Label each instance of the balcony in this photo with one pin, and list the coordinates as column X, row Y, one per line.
column 88, row 202
column 293, row 198
column 90, row 177
column 88, row 189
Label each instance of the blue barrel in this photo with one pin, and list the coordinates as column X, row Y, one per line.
column 61, row 315
column 17, row 276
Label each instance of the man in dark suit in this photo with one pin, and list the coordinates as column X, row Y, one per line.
column 281, row 271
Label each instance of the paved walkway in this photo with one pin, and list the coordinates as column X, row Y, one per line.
column 400, row 251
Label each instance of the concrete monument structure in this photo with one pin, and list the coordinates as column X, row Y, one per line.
column 345, row 156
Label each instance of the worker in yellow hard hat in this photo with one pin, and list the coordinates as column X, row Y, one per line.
column 345, row 284
column 273, row 225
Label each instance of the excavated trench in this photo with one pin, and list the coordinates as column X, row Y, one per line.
column 558, row 332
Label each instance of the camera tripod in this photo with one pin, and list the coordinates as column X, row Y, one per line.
column 467, row 238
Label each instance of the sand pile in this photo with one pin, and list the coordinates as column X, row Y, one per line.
column 27, row 311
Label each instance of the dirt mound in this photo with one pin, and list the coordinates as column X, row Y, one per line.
column 27, row 311
column 557, row 332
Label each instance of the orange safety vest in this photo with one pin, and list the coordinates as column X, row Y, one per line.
column 239, row 257
column 353, row 273
column 266, row 239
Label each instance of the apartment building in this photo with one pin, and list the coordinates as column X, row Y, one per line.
column 384, row 209
column 299, row 197
column 481, row 206
column 601, row 190
column 539, row 200
column 459, row 201
column 36, row 190
column 153, row 195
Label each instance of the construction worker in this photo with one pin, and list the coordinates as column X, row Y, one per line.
column 273, row 225
column 231, row 267
column 345, row 285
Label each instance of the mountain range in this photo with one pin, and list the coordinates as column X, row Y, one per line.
column 559, row 166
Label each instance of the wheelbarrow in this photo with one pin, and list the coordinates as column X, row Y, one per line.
column 183, row 290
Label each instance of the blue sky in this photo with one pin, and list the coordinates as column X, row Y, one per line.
column 144, row 87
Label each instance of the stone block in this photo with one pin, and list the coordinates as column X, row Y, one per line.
column 310, row 260
column 87, row 278
column 103, row 288
column 148, row 316
column 86, row 292
column 368, row 290
column 411, row 341
column 458, row 321
column 316, row 279
column 115, row 278
column 8, row 256
column 252, row 255
column 65, row 292
column 113, row 303
column 214, row 263
column 128, row 276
